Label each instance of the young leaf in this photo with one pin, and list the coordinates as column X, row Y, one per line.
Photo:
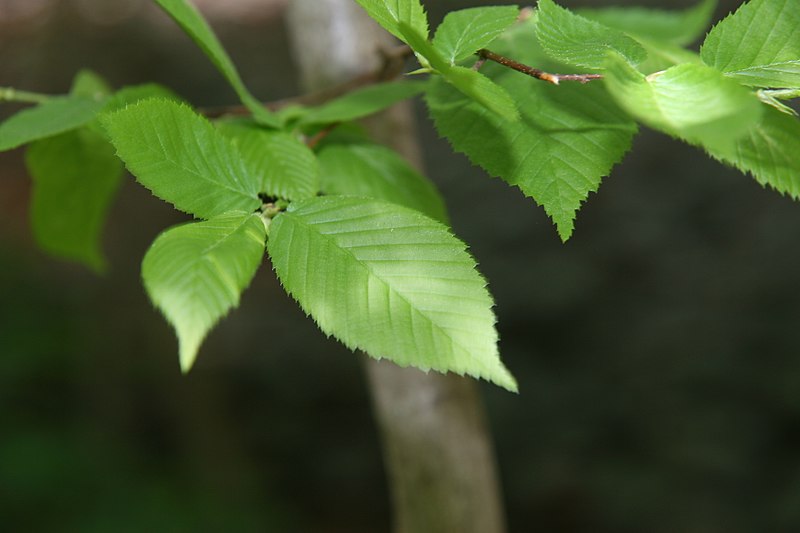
column 287, row 168
column 392, row 13
column 576, row 40
column 75, row 177
column 182, row 158
column 769, row 151
column 57, row 115
column 758, row 45
column 195, row 273
column 387, row 280
column 190, row 20
column 374, row 171
column 693, row 102
column 676, row 27
column 362, row 102
column 470, row 82
column 464, row 32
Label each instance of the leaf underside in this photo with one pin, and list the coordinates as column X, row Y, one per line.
column 387, row 280
column 671, row 102
column 195, row 273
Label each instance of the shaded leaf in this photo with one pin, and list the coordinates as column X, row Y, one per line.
column 75, row 177
column 195, row 273
column 286, row 167
column 576, row 40
column 134, row 93
column 677, row 27
column 89, row 84
column 56, row 115
column 362, row 102
column 193, row 23
column 465, row 31
column 374, row 171
column 387, row 280
column 569, row 136
column 182, row 158
column 758, row 45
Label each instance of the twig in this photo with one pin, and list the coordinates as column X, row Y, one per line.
column 315, row 139
column 391, row 68
column 9, row 94
column 539, row 74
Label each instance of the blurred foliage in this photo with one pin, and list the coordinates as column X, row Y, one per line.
column 657, row 351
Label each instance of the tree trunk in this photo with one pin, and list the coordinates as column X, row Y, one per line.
column 437, row 448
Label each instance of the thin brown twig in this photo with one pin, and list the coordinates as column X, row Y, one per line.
column 539, row 74
column 391, row 67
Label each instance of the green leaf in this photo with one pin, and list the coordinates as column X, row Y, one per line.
column 468, row 81
column 287, row 168
column 677, row 27
column 464, row 32
column 362, row 102
column 693, row 102
column 195, row 273
column 392, row 13
column 193, row 23
column 57, row 115
column 390, row 281
column 758, row 45
column 374, row 171
column 75, row 177
column 576, row 40
column 182, row 158
column 769, row 151
column 135, row 93
column 568, row 137
column 90, row 85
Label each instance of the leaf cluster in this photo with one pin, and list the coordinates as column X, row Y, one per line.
column 355, row 234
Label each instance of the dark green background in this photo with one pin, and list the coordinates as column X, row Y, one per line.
column 658, row 352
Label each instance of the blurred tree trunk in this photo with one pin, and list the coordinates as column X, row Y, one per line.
column 437, row 447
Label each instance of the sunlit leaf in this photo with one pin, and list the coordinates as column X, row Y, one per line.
column 182, row 158
column 390, row 281
column 195, row 273
column 758, row 45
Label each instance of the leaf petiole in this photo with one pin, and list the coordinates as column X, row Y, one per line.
column 10, row 94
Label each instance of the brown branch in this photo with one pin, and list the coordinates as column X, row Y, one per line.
column 392, row 67
column 539, row 74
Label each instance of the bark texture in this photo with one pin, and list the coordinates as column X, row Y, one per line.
column 437, row 447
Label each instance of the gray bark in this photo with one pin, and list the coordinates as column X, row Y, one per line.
column 437, row 447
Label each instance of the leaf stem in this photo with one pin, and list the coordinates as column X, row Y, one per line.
column 10, row 94
column 782, row 94
column 539, row 74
